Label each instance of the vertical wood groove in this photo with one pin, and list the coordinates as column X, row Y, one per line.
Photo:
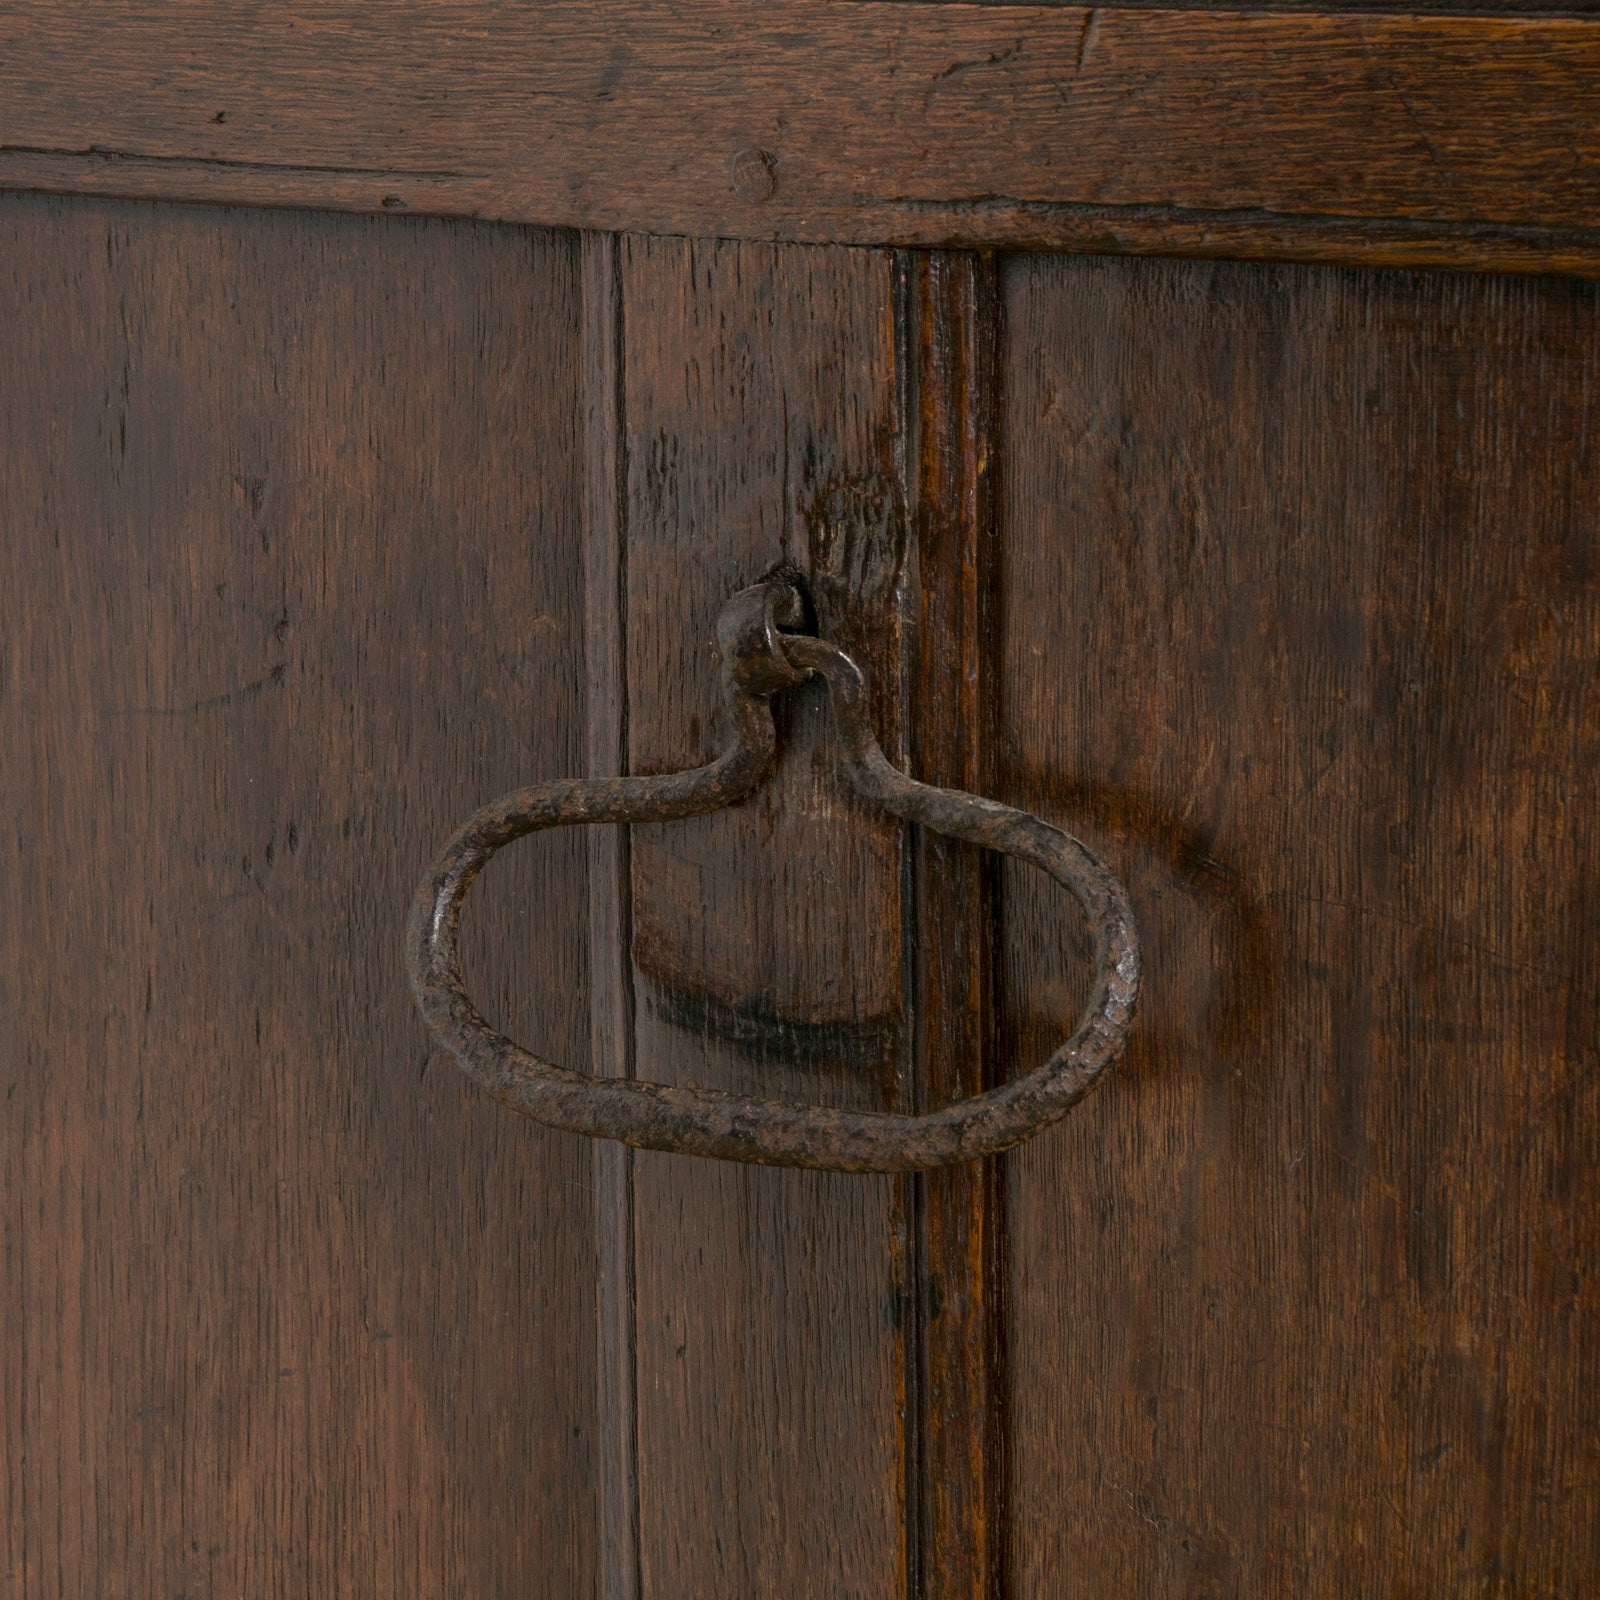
column 610, row 909
column 951, row 329
column 911, row 1263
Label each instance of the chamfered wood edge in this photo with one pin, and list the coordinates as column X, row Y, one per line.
column 1337, row 137
column 1397, row 243
column 951, row 331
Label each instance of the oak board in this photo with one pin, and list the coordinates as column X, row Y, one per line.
column 1464, row 140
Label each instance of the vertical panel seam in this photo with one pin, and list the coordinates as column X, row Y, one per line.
column 610, row 898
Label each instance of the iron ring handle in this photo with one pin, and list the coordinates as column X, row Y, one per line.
column 759, row 660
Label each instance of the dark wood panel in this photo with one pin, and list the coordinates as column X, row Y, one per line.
column 1301, row 608
column 1421, row 140
column 288, row 1309
column 760, row 414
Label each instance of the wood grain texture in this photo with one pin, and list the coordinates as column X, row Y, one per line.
column 760, row 419
column 1342, row 136
column 287, row 1309
column 605, row 676
column 1300, row 601
column 951, row 333
column 1445, row 8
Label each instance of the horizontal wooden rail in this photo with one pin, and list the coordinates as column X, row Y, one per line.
column 1319, row 136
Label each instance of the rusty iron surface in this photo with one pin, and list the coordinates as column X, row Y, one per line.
column 761, row 659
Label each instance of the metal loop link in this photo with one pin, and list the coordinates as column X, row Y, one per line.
column 760, row 659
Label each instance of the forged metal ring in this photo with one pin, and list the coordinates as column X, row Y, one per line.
column 759, row 659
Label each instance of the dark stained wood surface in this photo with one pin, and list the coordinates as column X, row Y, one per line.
column 610, row 909
column 1383, row 139
column 759, row 416
column 950, row 335
column 1300, row 608
column 1281, row 585
column 290, row 580
column 1445, row 8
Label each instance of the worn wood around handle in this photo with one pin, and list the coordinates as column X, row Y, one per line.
column 1378, row 139
column 759, row 418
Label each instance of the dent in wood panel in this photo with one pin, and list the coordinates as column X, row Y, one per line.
column 799, row 885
